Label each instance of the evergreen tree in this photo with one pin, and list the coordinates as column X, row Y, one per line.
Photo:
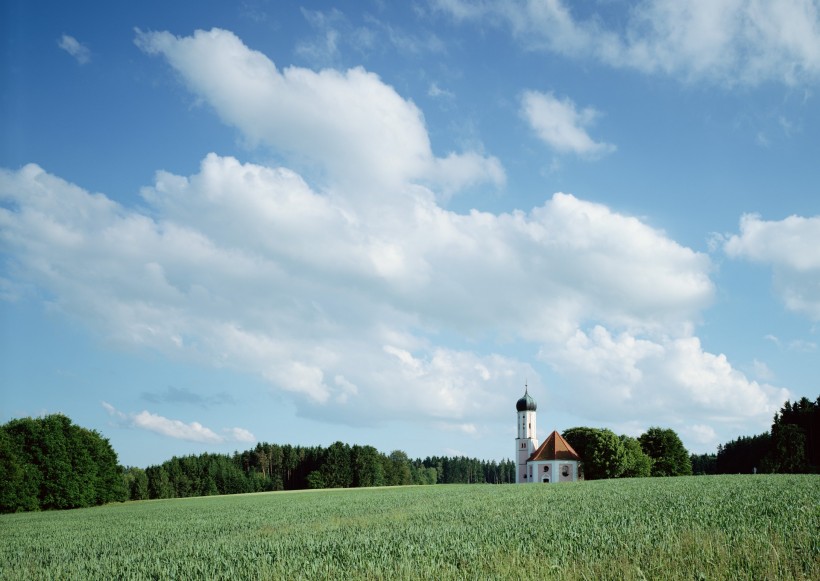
column 745, row 455
column 704, row 464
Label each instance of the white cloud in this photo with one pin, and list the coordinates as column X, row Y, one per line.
column 352, row 127
column 192, row 432
column 112, row 411
column 720, row 41
column 703, row 435
column 245, row 266
column 666, row 378
column 792, row 248
column 469, row 429
column 239, row 435
column 72, row 46
column 558, row 124
column 344, row 300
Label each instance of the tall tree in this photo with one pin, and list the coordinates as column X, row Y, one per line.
column 669, row 456
column 704, row 464
column 18, row 482
column 368, row 468
column 637, row 463
column 745, row 455
column 602, row 453
column 606, row 456
column 63, row 465
column 399, row 469
column 579, row 438
column 337, row 469
column 789, row 449
column 796, row 437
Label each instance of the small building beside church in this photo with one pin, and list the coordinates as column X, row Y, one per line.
column 552, row 461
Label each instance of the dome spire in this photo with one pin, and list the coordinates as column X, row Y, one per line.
column 526, row 403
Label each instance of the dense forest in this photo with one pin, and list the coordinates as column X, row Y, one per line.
column 792, row 446
column 274, row 467
column 50, row 463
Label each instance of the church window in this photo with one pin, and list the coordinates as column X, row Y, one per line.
column 547, row 469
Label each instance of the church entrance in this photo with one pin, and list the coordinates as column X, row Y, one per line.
column 546, row 479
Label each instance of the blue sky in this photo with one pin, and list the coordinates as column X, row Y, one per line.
column 224, row 223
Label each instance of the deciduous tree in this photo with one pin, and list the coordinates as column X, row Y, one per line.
column 669, row 456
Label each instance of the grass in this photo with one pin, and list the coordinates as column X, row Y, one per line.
column 720, row 527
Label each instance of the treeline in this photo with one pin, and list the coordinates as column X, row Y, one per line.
column 791, row 446
column 269, row 467
column 657, row 452
column 49, row 463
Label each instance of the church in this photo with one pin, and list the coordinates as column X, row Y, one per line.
column 552, row 461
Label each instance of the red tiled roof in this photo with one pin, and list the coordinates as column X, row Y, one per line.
column 555, row 447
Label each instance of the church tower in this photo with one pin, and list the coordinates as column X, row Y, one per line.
column 525, row 443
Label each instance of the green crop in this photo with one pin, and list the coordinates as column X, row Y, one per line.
column 719, row 527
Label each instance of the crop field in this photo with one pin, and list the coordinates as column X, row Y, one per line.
column 707, row 527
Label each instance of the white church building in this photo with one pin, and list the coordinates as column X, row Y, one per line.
column 552, row 461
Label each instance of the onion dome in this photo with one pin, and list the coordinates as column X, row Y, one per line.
column 526, row 403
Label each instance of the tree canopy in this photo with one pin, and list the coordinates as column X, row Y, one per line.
column 792, row 445
column 669, row 456
column 49, row 462
column 602, row 452
column 637, row 464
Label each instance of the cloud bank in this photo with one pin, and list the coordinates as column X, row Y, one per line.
column 344, row 287
column 349, row 125
column 745, row 42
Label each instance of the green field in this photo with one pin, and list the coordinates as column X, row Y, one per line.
column 707, row 527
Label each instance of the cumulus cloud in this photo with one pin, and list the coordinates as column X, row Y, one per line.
column 349, row 125
column 72, row 46
column 791, row 247
column 671, row 378
column 192, row 432
column 558, row 124
column 346, row 301
column 722, row 41
column 245, row 266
